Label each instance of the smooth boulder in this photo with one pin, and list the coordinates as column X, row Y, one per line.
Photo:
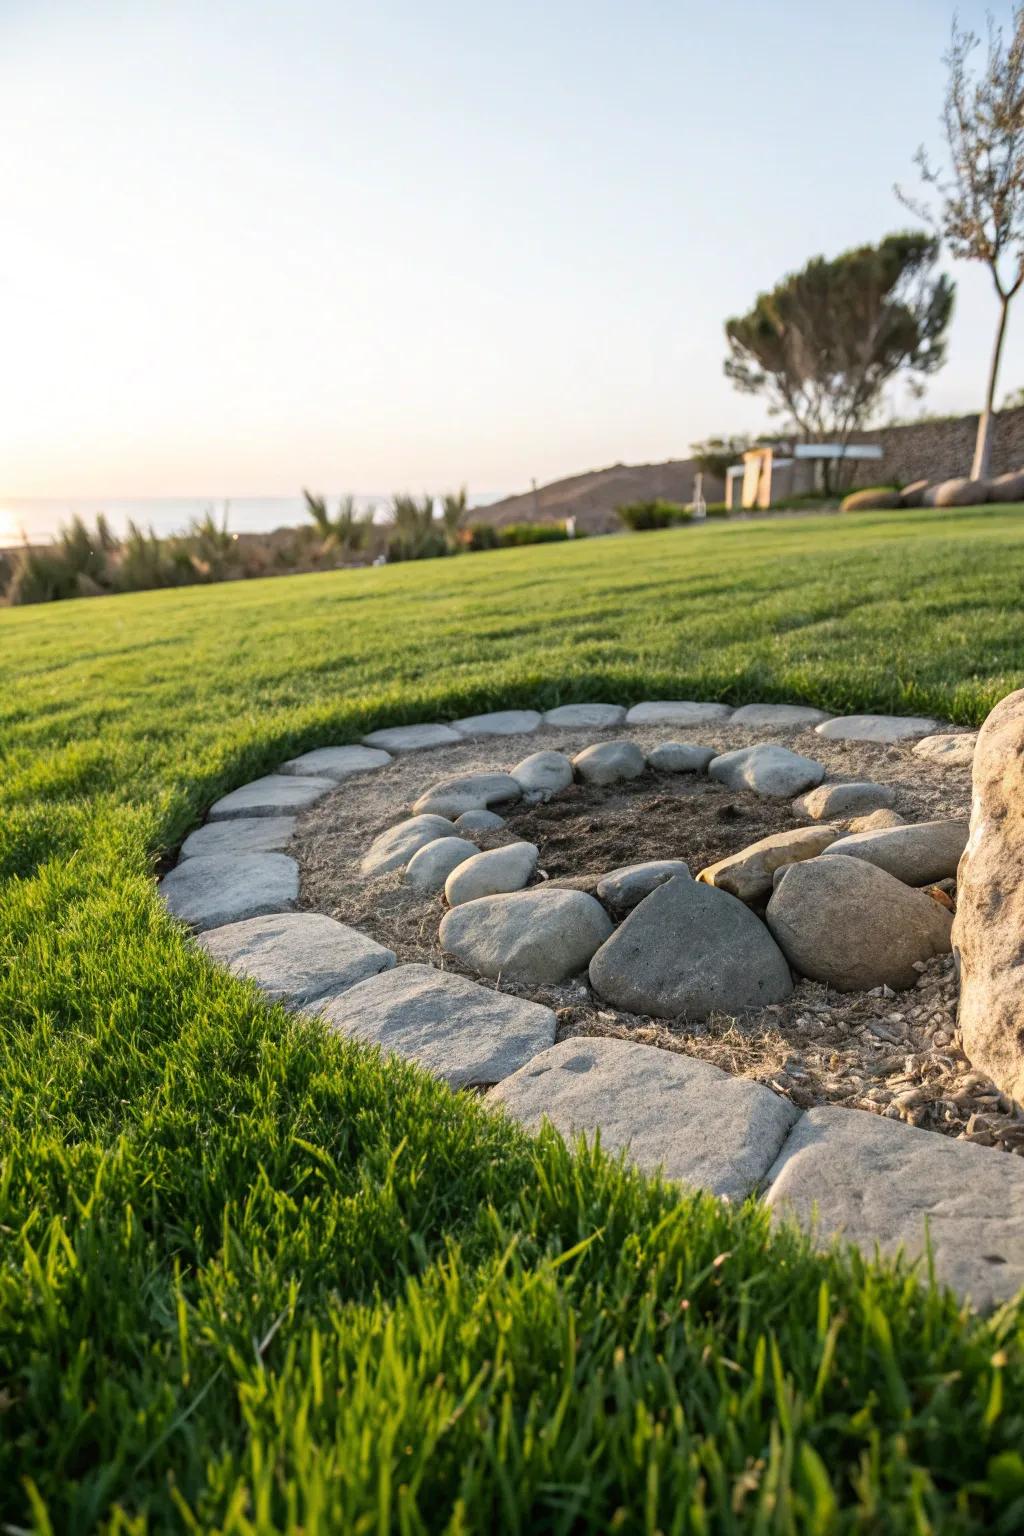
column 960, row 492
column 609, row 762
column 679, row 757
column 394, row 848
column 479, row 821
column 543, row 774
column 772, row 771
column 954, row 749
column 544, row 935
column 491, row 873
column 838, row 801
column 467, row 792
column 749, row 873
column 690, row 949
column 849, row 924
column 430, row 866
column 917, row 854
column 1007, row 487
column 624, row 888
column 988, row 934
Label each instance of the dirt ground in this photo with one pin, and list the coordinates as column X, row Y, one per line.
column 894, row 1055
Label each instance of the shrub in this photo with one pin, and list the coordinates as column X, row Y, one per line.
column 717, row 509
column 643, row 515
column 533, row 533
column 481, row 536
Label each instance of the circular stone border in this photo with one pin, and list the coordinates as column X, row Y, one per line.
column 876, row 1181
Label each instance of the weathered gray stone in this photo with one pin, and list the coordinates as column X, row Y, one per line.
column 337, row 763
column 261, row 834
column 626, row 887
column 609, row 762
column 838, row 801
column 876, row 1181
column 394, row 848
column 848, row 923
column 430, row 866
column 275, row 795
column 917, row 854
column 500, row 722
column 777, row 716
column 212, row 889
column 676, row 712
column 479, row 821
column 467, row 792
column 543, row 774
column 491, row 873
column 467, row 1034
column 748, row 874
column 953, row 749
column 296, row 957
column 988, row 934
column 677, row 757
column 690, row 949
column 541, row 935
column 669, row 1112
column 412, row 738
column 587, row 717
column 881, row 728
column 768, row 770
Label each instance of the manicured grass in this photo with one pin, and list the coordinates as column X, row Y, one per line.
column 254, row 1279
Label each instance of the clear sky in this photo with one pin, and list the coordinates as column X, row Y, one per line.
column 414, row 243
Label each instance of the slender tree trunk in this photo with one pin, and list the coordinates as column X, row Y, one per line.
column 983, row 445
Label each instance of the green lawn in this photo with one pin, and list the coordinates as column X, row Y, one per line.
column 252, row 1279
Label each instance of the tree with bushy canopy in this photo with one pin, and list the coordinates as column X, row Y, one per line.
column 980, row 194
column 823, row 345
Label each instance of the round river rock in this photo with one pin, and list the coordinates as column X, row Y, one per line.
column 543, row 935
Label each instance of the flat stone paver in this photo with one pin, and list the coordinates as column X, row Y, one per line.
column 676, row 712
column 213, row 889
column 412, row 738
column 296, row 957
column 258, row 834
column 877, row 1181
column 337, row 763
column 462, row 1032
column 500, row 722
column 881, row 728
column 697, row 1124
column 778, row 716
column 593, row 717
column 273, row 795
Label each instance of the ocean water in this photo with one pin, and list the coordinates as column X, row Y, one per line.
column 39, row 521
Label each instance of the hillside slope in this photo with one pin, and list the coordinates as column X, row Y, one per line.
column 593, row 496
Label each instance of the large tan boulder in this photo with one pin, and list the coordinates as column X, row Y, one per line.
column 988, row 934
column 879, row 499
column 959, row 493
column 1007, row 487
column 853, row 926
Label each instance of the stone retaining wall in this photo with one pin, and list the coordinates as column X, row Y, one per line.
column 940, row 450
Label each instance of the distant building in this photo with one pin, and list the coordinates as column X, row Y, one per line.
column 774, row 472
